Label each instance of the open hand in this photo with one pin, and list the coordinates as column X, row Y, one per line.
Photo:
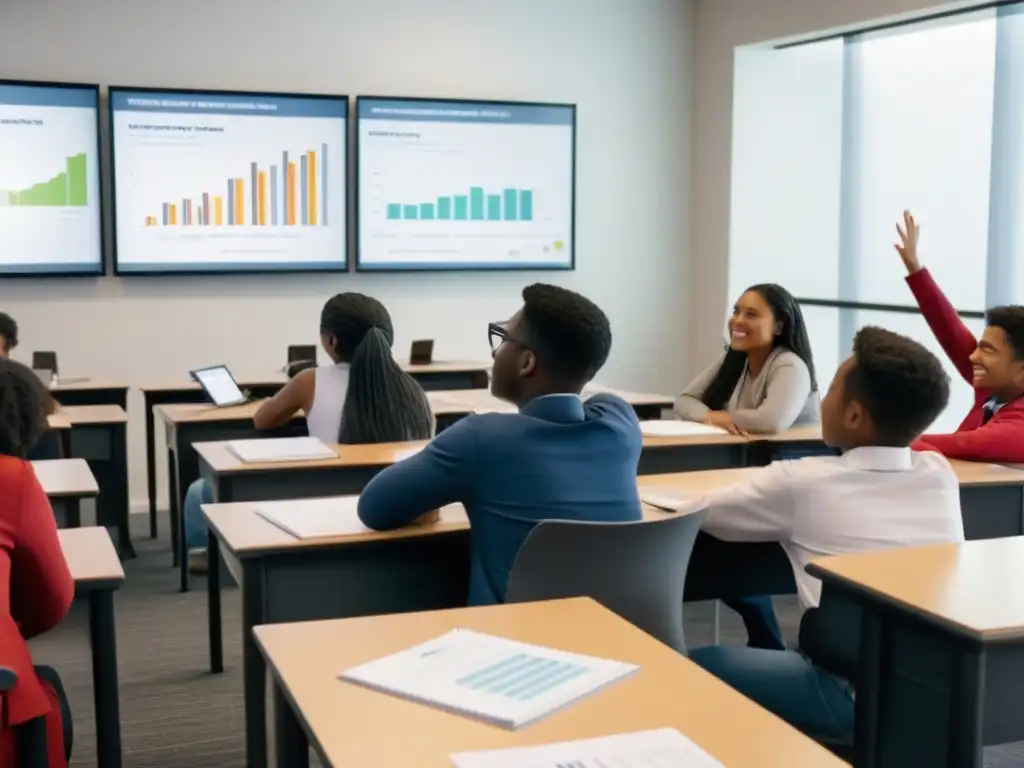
column 907, row 247
column 723, row 420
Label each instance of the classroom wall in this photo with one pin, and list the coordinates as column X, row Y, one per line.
column 718, row 27
column 626, row 65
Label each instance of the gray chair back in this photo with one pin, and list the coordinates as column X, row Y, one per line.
column 636, row 570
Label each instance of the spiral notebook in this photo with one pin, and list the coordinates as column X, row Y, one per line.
column 499, row 681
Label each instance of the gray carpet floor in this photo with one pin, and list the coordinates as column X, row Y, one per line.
column 174, row 714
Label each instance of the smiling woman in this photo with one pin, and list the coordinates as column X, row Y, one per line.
column 765, row 381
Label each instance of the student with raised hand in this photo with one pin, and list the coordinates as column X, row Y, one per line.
column 363, row 396
column 36, row 588
column 878, row 494
column 764, row 382
column 993, row 430
column 558, row 458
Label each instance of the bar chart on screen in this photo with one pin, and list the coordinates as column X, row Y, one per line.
column 444, row 185
column 229, row 183
column 49, row 180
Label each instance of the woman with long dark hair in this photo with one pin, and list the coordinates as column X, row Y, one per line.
column 363, row 396
column 764, row 382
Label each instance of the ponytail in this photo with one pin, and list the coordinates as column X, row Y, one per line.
column 384, row 404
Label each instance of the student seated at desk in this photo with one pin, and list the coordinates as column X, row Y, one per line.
column 993, row 430
column 877, row 494
column 763, row 383
column 8, row 334
column 558, row 458
column 36, row 588
column 363, row 397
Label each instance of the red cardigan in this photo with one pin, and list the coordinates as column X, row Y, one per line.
column 36, row 591
column 1001, row 440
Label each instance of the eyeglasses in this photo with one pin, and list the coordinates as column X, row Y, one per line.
column 497, row 334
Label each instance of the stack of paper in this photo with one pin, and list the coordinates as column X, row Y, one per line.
column 280, row 449
column 315, row 518
column 672, row 428
column 662, row 748
column 670, row 500
column 501, row 681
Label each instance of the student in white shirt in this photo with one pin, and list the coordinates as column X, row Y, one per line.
column 877, row 494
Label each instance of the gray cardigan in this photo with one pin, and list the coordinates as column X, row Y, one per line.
column 779, row 398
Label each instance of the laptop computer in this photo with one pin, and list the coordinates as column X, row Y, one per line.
column 219, row 385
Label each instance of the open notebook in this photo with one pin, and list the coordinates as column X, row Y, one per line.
column 661, row 748
column 500, row 681
column 280, row 449
column 673, row 428
column 314, row 518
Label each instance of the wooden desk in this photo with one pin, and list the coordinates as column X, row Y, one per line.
column 92, row 392
column 99, row 435
column 941, row 649
column 305, row 660
column 66, row 482
column 97, row 572
column 61, row 425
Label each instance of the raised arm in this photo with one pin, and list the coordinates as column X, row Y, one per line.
column 952, row 334
column 788, row 387
column 442, row 473
column 41, row 585
column 689, row 406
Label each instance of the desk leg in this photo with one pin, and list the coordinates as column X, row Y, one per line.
column 213, row 602
column 103, row 640
column 73, row 513
column 119, row 460
column 290, row 746
column 966, row 711
column 151, row 464
column 174, row 504
column 255, row 668
column 866, row 707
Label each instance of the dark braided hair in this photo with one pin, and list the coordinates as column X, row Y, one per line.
column 24, row 406
column 793, row 337
column 384, row 404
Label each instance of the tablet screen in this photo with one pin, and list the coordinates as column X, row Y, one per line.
column 219, row 385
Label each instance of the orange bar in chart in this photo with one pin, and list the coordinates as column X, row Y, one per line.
column 174, row 213
column 239, row 202
column 218, row 210
column 290, row 195
column 262, row 199
column 311, row 165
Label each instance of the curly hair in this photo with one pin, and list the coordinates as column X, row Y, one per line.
column 8, row 332
column 569, row 332
column 24, row 406
column 1010, row 319
column 901, row 385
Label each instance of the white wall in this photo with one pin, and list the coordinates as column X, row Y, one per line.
column 718, row 27
column 626, row 64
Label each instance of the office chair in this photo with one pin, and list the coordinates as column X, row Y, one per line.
column 637, row 570
column 30, row 736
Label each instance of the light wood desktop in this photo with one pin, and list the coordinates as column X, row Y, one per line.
column 99, row 435
column 91, row 391
column 61, row 478
column 97, row 572
column 58, row 420
column 668, row 691
column 942, row 635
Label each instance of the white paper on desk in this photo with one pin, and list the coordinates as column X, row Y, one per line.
column 674, row 428
column 494, row 679
column 314, row 518
column 661, row 748
column 280, row 449
column 669, row 500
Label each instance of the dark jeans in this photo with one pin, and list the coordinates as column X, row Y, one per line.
column 50, row 676
column 743, row 576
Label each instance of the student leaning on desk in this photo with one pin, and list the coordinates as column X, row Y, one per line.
column 878, row 494
column 557, row 457
column 993, row 430
column 364, row 396
column 36, row 588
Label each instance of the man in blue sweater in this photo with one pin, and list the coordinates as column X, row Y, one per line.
column 558, row 458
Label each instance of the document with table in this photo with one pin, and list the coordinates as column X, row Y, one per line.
column 280, row 449
column 500, row 681
column 315, row 518
column 661, row 748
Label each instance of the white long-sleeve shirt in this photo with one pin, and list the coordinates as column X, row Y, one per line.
column 868, row 498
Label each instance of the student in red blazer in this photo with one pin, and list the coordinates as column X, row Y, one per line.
column 36, row 588
column 994, row 365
